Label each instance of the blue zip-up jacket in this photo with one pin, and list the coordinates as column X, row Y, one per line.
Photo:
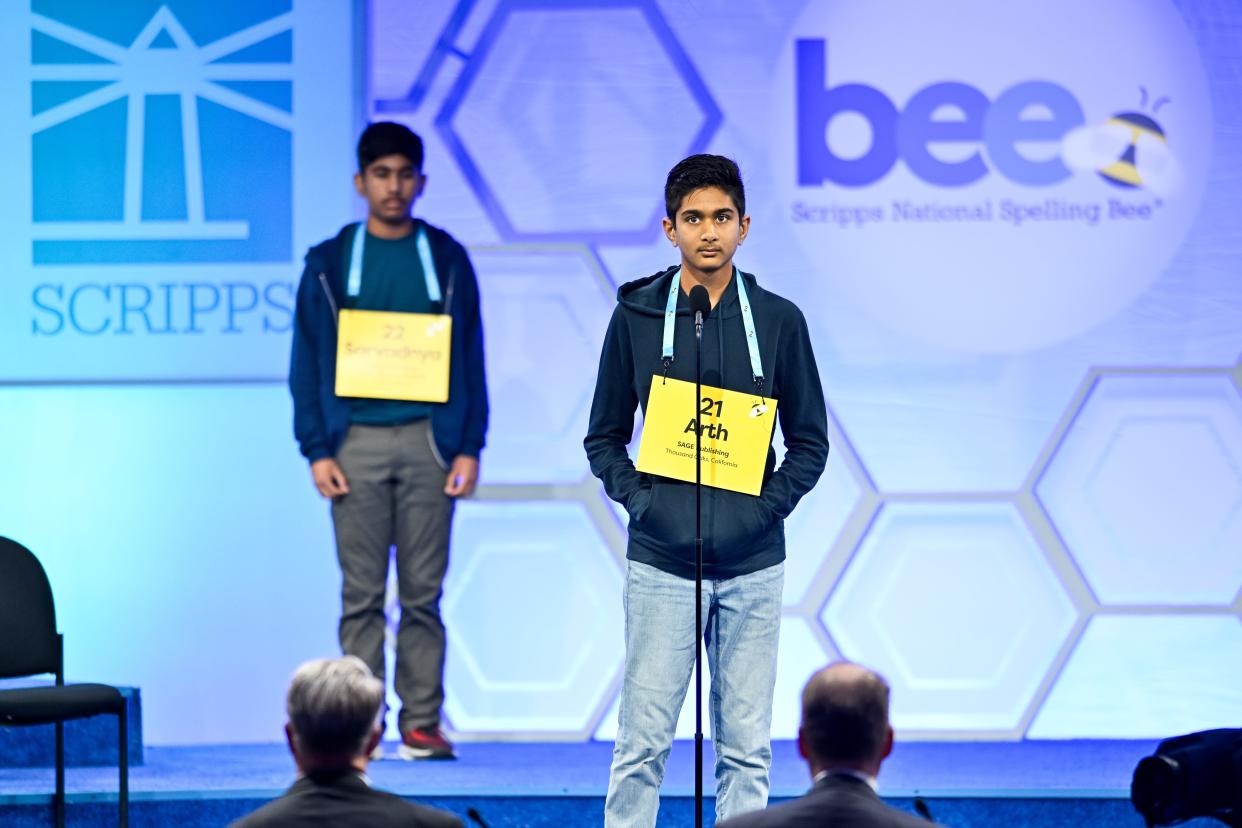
column 320, row 417
column 741, row 533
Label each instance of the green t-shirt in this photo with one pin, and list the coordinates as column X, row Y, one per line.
column 392, row 280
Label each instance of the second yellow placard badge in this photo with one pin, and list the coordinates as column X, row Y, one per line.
column 393, row 356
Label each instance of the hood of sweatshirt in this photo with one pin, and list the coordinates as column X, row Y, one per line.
column 649, row 295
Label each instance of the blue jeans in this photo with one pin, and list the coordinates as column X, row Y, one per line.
column 742, row 618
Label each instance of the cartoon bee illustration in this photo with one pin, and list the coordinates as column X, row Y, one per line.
column 1128, row 150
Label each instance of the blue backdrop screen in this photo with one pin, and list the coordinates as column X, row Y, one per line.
column 1012, row 229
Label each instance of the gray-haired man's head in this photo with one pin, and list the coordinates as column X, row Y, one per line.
column 334, row 706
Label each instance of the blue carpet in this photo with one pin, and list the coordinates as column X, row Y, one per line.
column 1052, row 784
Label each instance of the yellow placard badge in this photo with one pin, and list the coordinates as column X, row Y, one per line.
column 736, row 435
column 393, row 356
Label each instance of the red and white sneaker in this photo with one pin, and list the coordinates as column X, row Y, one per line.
column 425, row 743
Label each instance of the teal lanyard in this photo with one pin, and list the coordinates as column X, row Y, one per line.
column 748, row 321
column 424, row 256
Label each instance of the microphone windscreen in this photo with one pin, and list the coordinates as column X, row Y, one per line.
column 699, row 301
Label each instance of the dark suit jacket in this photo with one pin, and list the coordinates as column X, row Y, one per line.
column 833, row 801
column 345, row 800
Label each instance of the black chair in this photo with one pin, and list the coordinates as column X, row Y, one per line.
column 30, row 645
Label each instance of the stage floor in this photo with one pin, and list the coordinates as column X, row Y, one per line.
column 1080, row 769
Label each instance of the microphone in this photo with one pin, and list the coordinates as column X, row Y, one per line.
column 920, row 805
column 700, row 306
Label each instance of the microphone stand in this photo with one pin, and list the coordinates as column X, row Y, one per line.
column 698, row 572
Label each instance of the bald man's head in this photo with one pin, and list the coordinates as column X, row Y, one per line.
column 845, row 718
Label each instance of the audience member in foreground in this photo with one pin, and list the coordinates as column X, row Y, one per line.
column 334, row 708
column 844, row 737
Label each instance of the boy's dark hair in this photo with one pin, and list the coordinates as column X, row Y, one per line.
column 387, row 138
column 699, row 171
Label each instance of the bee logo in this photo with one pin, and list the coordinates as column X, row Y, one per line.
column 1129, row 150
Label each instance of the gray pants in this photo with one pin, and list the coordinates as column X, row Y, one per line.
column 396, row 498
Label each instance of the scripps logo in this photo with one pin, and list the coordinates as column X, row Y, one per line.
column 158, row 140
column 1002, row 134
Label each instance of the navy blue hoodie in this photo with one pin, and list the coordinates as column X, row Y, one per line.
column 320, row 417
column 741, row 533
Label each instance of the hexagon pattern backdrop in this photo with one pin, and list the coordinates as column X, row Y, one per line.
column 1006, row 517
column 1012, row 229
